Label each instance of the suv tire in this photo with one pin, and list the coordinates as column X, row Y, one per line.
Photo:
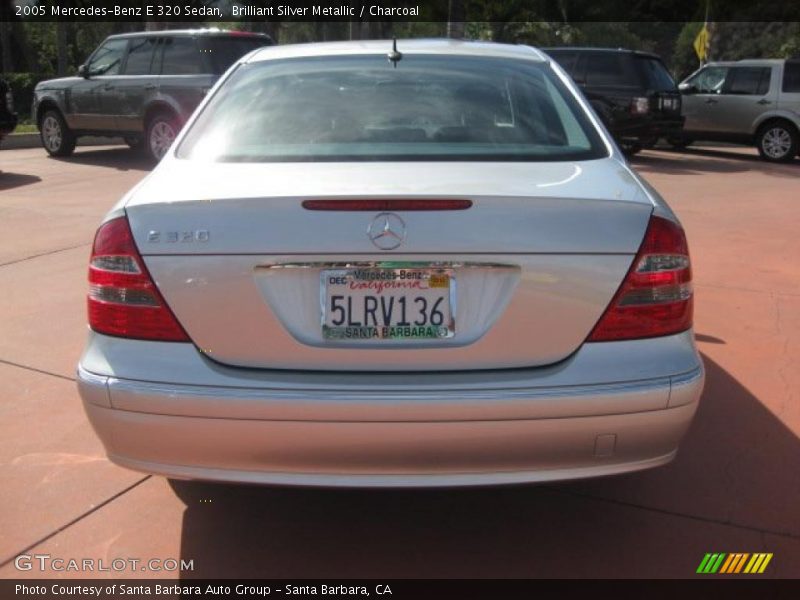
column 777, row 141
column 679, row 143
column 162, row 129
column 54, row 134
column 135, row 143
column 630, row 148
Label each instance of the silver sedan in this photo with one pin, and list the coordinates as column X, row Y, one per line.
column 361, row 265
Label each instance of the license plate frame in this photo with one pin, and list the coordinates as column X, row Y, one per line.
column 381, row 334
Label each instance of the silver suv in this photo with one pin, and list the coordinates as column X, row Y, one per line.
column 754, row 102
column 141, row 86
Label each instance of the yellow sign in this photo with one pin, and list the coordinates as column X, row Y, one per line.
column 701, row 43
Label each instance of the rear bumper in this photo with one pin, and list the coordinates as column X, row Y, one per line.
column 390, row 454
column 400, row 430
column 650, row 127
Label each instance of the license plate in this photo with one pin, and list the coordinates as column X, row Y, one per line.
column 669, row 103
column 372, row 303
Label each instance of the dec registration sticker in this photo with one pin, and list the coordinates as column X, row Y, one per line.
column 387, row 304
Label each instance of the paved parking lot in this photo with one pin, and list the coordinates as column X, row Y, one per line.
column 733, row 488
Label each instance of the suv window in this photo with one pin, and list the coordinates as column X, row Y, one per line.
column 181, row 57
column 223, row 51
column 656, row 76
column 429, row 108
column 748, row 81
column 710, row 80
column 140, row 56
column 108, row 57
column 609, row 68
column 567, row 60
column 791, row 76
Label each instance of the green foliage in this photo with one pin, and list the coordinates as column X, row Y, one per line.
column 684, row 59
column 601, row 34
column 791, row 49
column 22, row 85
column 658, row 37
column 25, row 126
column 421, row 29
column 296, row 33
column 82, row 39
column 734, row 41
column 41, row 38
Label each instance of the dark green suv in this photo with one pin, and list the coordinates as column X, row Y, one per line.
column 141, row 86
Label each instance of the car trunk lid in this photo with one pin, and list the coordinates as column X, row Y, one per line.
column 531, row 265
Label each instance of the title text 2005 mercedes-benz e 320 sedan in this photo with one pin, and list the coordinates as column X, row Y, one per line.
column 364, row 267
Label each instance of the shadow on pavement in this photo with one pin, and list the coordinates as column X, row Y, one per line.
column 737, row 466
column 708, row 339
column 9, row 181
column 734, row 465
column 120, row 158
column 696, row 161
column 726, row 152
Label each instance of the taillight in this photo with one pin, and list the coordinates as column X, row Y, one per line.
column 123, row 300
column 640, row 106
column 655, row 298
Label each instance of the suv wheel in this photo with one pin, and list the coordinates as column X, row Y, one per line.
column 161, row 132
column 56, row 137
column 777, row 141
column 630, row 148
column 134, row 143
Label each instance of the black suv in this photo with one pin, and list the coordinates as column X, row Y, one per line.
column 631, row 91
column 141, row 86
column 8, row 119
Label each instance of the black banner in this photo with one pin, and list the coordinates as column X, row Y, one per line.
column 209, row 11
column 395, row 589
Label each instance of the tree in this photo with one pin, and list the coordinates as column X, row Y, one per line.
column 737, row 40
column 5, row 46
column 455, row 19
column 61, row 48
column 684, row 59
column 791, row 49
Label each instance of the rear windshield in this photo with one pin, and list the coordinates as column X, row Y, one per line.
column 357, row 108
column 656, row 76
column 222, row 52
column 610, row 69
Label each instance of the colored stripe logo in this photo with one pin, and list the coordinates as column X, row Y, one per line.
column 734, row 563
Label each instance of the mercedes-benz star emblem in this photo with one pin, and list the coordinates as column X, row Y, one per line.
column 387, row 231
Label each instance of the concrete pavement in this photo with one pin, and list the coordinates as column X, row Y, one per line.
column 733, row 488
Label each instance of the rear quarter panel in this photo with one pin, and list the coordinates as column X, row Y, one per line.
column 788, row 105
column 183, row 93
